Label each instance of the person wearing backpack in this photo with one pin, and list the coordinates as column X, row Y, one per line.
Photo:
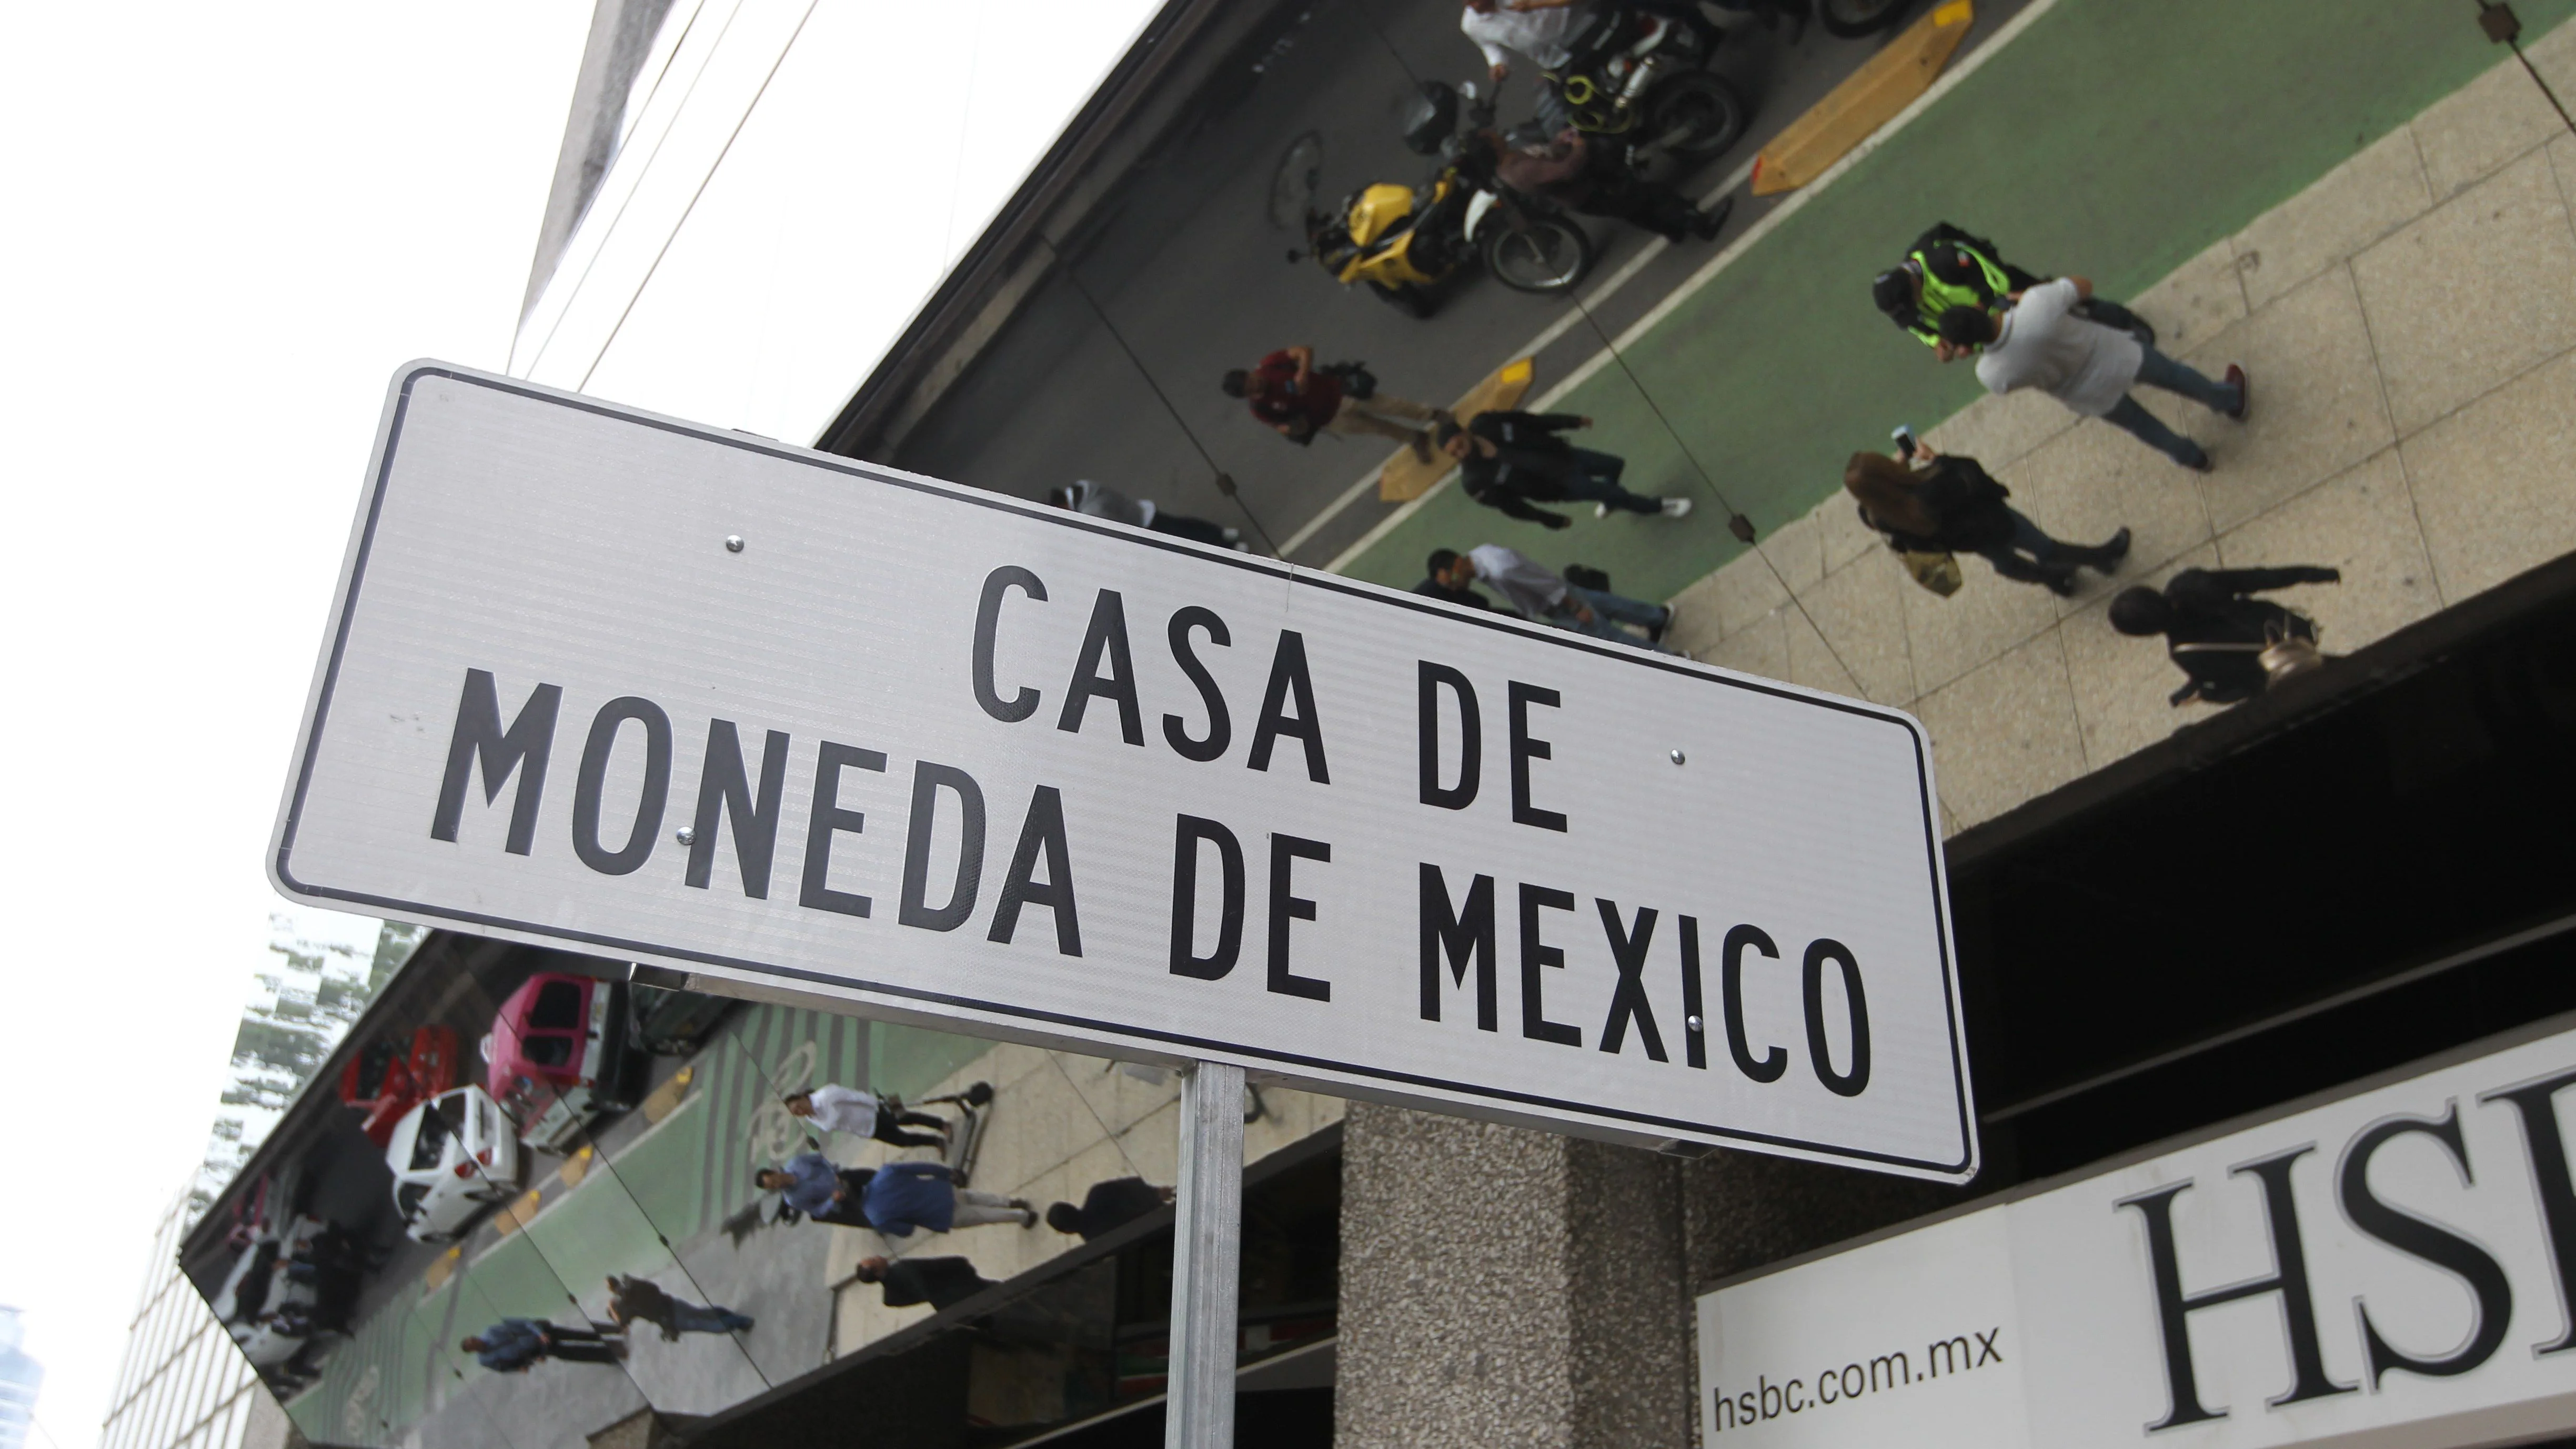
column 2230, row 644
column 1297, row 399
column 1945, row 505
column 1947, row 267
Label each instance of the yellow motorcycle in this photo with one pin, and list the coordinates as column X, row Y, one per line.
column 1404, row 241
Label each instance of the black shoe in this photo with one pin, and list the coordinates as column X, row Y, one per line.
column 2108, row 555
column 2061, row 583
column 2244, row 392
column 1713, row 220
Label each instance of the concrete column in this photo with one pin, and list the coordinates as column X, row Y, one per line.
column 1506, row 1288
column 1511, row 1288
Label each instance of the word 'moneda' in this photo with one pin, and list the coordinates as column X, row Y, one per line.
column 1040, row 873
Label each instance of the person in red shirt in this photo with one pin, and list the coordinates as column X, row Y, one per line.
column 1298, row 399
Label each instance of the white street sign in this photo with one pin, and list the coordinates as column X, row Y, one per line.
column 604, row 680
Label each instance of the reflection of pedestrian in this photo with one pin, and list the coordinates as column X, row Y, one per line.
column 1099, row 500
column 819, row 1188
column 641, row 1300
column 908, row 1195
column 939, row 1282
column 1547, row 597
column 1568, row 168
column 863, row 1114
column 514, row 1345
column 2085, row 365
column 1949, row 268
column 2215, row 629
column 1954, row 505
column 1434, row 589
column 1298, row 399
column 1507, row 460
column 1111, row 1204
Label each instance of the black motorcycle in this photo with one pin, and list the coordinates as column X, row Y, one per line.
column 1643, row 81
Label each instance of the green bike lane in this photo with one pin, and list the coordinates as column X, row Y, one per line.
column 2112, row 138
column 645, row 1206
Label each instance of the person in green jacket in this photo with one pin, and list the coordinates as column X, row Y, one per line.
column 1947, row 267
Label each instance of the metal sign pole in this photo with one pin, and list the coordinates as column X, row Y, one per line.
column 1207, row 1255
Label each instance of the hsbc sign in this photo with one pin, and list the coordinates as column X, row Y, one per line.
column 2394, row 1268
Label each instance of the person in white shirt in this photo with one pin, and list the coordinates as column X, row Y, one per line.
column 1545, row 596
column 862, row 1114
column 1500, row 29
column 2085, row 365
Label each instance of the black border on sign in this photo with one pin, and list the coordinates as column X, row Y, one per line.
column 1288, row 573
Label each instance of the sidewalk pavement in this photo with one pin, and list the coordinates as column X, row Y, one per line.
column 2409, row 323
column 1058, row 1124
column 2109, row 138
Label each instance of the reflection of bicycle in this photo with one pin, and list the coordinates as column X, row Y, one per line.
column 775, row 1134
column 968, row 1139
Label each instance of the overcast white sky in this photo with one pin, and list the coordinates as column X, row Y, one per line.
column 227, row 225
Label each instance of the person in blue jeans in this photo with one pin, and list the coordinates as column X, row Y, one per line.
column 1542, row 594
column 514, row 1345
column 2039, row 342
column 1509, row 460
column 1952, row 505
column 641, row 1300
column 908, row 1195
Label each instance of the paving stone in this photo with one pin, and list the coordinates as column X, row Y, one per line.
column 2479, row 129
column 2490, row 481
column 1795, row 550
column 2355, row 204
column 2198, row 298
column 2362, row 523
column 1760, row 648
column 2318, row 408
column 2554, row 56
column 1948, row 637
column 1843, row 535
column 1813, row 663
column 2562, row 159
column 1996, row 430
column 2472, row 294
column 1696, row 624
column 2096, row 480
column 1856, row 617
column 1154, row 1146
column 2005, row 732
column 1746, row 589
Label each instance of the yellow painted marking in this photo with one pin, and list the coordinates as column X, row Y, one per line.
column 1867, row 99
column 1406, row 477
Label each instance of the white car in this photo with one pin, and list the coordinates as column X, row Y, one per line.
column 452, row 1156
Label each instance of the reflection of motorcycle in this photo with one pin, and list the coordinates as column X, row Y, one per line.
column 1851, row 19
column 1403, row 241
column 1597, row 180
column 1645, row 79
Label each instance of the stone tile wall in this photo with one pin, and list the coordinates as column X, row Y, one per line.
column 2409, row 323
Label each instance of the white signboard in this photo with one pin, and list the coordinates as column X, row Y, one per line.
column 2390, row 1270
column 649, row 690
